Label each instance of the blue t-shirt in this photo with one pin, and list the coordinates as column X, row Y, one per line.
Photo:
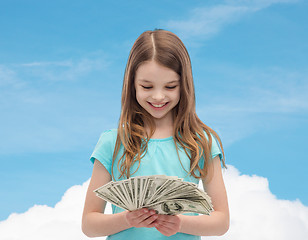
column 161, row 159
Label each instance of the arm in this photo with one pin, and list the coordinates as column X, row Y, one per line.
column 95, row 223
column 203, row 225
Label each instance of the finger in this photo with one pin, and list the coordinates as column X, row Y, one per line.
column 145, row 216
column 171, row 223
column 164, row 225
column 164, row 229
column 150, row 221
column 138, row 213
column 167, row 219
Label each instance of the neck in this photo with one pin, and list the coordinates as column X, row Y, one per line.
column 163, row 127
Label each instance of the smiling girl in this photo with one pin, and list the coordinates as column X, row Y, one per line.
column 159, row 132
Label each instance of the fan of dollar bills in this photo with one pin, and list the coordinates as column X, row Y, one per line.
column 164, row 194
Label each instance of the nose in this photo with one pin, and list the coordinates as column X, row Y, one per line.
column 158, row 95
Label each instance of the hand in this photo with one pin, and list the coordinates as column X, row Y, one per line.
column 168, row 224
column 141, row 218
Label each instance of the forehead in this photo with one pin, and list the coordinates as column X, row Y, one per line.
column 153, row 72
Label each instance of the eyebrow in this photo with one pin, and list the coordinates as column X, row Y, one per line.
column 147, row 81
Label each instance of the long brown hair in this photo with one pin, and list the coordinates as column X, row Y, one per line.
column 167, row 49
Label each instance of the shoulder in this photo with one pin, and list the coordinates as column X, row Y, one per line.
column 112, row 131
column 107, row 139
column 104, row 148
column 109, row 135
column 213, row 138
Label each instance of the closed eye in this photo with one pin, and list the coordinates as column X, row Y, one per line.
column 146, row 87
column 169, row 87
column 172, row 87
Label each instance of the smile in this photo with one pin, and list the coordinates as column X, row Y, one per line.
column 158, row 106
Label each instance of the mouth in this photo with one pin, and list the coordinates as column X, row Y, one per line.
column 158, row 106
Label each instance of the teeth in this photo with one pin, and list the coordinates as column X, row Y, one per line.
column 160, row 105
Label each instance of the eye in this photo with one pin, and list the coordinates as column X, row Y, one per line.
column 145, row 87
column 171, row 87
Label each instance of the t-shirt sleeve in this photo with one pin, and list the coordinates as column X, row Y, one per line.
column 216, row 150
column 103, row 150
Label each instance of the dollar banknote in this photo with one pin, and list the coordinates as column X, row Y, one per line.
column 165, row 194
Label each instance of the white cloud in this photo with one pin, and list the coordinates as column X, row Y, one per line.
column 255, row 214
column 43, row 222
column 8, row 78
column 208, row 21
column 64, row 70
column 24, row 75
column 67, row 63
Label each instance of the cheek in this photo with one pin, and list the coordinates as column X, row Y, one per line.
column 177, row 95
column 137, row 97
column 140, row 95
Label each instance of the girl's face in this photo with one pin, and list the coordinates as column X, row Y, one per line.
column 157, row 89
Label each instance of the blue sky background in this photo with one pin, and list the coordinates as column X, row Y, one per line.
column 61, row 70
